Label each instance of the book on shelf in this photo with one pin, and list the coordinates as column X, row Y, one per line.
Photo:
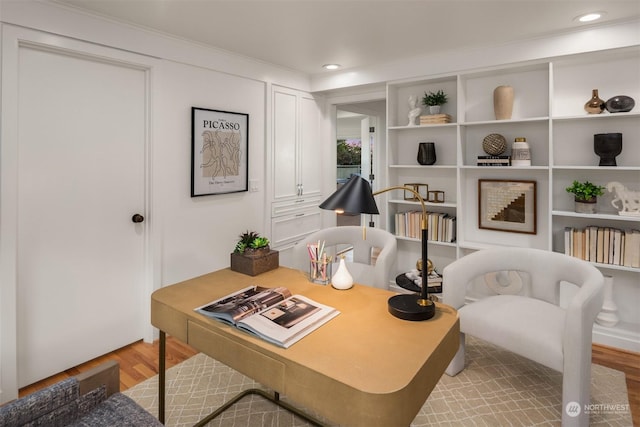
column 494, row 160
column 493, row 164
column 441, row 226
column 490, row 157
column 603, row 245
column 632, row 248
column 435, row 119
column 273, row 314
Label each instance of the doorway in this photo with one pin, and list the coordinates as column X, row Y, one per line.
column 359, row 145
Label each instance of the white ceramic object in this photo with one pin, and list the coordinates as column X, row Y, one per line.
column 626, row 201
column 608, row 316
column 342, row 279
column 414, row 110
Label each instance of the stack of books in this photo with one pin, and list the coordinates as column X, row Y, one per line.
column 494, row 160
column 441, row 226
column 603, row 245
column 433, row 119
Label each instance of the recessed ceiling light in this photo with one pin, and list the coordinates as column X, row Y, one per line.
column 331, row 66
column 588, row 17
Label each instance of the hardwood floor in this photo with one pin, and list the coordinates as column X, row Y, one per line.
column 139, row 361
column 627, row 362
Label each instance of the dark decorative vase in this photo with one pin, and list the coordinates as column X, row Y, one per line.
column 595, row 105
column 620, row 104
column 607, row 146
column 427, row 153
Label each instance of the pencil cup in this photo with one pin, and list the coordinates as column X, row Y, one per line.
column 320, row 272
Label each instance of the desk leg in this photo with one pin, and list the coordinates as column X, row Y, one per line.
column 161, row 375
column 274, row 399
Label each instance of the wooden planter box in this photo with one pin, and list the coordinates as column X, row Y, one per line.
column 256, row 263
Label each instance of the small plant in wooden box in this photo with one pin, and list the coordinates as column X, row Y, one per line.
column 252, row 255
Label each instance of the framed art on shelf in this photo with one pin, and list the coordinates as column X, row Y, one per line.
column 219, row 152
column 507, row 205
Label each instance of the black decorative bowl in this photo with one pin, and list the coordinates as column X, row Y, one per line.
column 607, row 146
column 620, row 104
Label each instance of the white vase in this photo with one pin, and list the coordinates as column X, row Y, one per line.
column 342, row 278
column 609, row 314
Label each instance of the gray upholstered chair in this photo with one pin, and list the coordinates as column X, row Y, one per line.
column 366, row 269
column 90, row 399
column 516, row 294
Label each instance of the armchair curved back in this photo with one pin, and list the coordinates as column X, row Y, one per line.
column 365, row 270
column 545, row 271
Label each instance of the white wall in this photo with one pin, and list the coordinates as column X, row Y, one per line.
column 199, row 233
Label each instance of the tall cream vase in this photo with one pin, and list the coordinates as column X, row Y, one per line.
column 503, row 102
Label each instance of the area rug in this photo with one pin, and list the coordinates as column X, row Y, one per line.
column 496, row 388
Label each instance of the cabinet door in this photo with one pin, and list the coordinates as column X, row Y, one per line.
column 285, row 155
column 310, row 147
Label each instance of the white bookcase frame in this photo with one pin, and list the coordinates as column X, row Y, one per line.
column 548, row 111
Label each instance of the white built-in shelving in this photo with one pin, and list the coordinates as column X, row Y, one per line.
column 548, row 112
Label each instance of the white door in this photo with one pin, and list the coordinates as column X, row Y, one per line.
column 80, row 263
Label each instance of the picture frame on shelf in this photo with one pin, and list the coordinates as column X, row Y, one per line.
column 219, row 152
column 507, row 205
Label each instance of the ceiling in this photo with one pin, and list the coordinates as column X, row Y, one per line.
column 305, row 34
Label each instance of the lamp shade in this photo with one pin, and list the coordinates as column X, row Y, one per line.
column 355, row 197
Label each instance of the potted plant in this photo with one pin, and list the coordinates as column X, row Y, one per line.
column 252, row 255
column 434, row 100
column 585, row 195
column 251, row 243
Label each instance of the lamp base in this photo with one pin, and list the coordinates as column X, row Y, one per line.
column 407, row 307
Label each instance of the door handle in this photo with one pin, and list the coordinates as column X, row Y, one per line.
column 137, row 218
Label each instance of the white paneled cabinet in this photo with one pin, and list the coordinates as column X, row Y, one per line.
column 296, row 143
column 548, row 112
column 296, row 168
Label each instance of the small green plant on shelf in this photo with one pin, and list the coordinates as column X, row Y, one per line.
column 585, row 191
column 250, row 240
column 431, row 99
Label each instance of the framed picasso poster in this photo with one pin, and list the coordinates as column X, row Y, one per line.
column 219, row 152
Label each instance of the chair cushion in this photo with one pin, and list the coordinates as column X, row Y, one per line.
column 505, row 319
column 118, row 410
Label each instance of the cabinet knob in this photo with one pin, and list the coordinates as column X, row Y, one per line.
column 137, row 218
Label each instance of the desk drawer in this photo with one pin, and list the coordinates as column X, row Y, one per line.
column 267, row 371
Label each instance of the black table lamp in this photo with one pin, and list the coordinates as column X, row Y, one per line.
column 356, row 197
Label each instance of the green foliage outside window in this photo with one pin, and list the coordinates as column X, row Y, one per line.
column 347, row 154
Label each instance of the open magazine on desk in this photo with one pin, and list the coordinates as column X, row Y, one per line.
column 272, row 314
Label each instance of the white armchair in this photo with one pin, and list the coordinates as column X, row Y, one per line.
column 523, row 314
column 364, row 269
